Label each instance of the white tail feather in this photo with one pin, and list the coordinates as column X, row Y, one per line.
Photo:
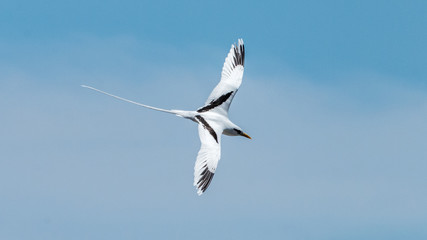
column 130, row 101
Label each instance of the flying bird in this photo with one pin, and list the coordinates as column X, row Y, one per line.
column 212, row 118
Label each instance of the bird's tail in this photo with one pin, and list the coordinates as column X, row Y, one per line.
column 177, row 112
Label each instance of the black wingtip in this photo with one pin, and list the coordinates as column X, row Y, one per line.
column 204, row 181
column 239, row 53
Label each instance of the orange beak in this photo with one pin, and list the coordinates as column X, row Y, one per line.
column 246, row 135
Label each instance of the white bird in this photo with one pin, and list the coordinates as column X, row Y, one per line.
column 212, row 118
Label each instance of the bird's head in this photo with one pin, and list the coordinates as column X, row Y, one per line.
column 241, row 133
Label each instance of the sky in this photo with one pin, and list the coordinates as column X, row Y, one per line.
column 334, row 96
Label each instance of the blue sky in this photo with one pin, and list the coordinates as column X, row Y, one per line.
column 334, row 96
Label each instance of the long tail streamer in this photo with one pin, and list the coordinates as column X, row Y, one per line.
column 130, row 101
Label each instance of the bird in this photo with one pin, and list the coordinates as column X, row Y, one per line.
column 212, row 117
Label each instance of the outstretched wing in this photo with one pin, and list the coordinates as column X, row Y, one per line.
column 209, row 154
column 231, row 78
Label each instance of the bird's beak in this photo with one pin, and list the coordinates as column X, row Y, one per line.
column 246, row 135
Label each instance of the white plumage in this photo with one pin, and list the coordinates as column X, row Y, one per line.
column 212, row 118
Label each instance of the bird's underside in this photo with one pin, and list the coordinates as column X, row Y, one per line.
column 212, row 118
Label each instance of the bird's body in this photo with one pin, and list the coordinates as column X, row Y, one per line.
column 212, row 118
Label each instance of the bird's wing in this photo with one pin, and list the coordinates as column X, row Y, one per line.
column 231, row 77
column 209, row 154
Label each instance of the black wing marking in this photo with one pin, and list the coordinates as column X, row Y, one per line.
column 205, row 180
column 207, row 127
column 215, row 103
column 239, row 55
